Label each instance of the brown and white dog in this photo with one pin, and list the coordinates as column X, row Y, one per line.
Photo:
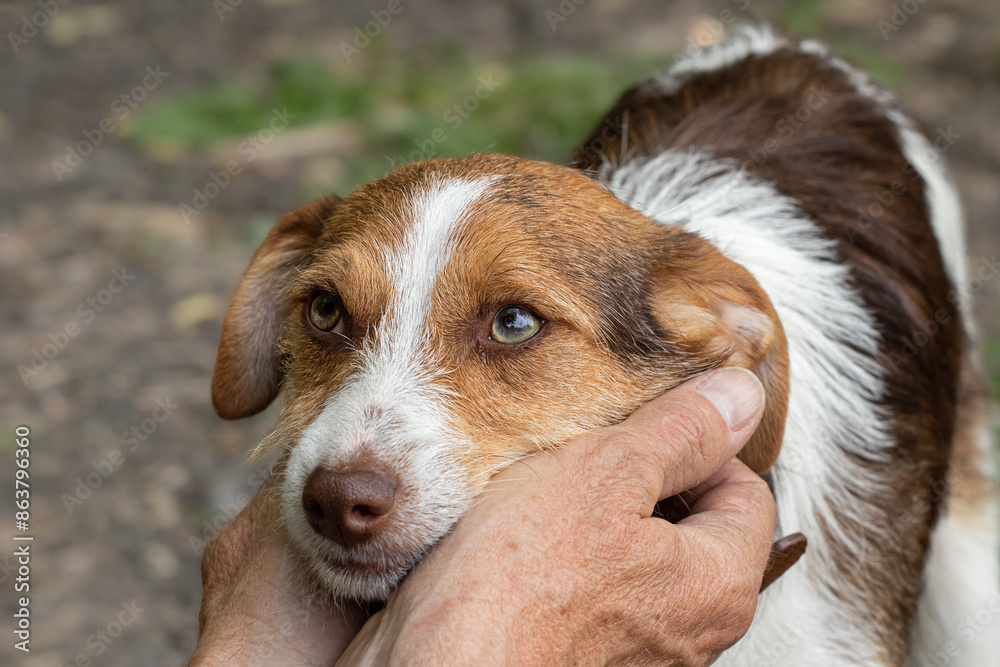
column 759, row 204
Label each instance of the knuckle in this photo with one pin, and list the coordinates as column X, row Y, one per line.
column 756, row 496
column 760, row 503
column 683, row 428
column 740, row 597
column 735, row 582
column 743, row 616
column 619, row 456
column 734, row 601
column 617, row 468
column 223, row 554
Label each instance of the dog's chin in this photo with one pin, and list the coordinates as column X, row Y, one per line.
column 362, row 580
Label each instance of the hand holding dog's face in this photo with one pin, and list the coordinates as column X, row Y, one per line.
column 453, row 317
column 510, row 583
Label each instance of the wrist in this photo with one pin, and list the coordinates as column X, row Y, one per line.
column 471, row 627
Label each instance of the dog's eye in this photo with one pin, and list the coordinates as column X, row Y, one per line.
column 514, row 324
column 326, row 313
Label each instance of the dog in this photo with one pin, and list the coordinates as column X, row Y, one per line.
column 760, row 204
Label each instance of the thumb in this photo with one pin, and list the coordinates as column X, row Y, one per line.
column 689, row 432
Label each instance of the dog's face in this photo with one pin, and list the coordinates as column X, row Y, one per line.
column 453, row 317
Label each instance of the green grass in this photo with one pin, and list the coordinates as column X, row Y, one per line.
column 872, row 58
column 810, row 18
column 805, row 17
column 540, row 107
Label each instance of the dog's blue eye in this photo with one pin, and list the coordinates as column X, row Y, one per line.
column 326, row 312
column 514, row 324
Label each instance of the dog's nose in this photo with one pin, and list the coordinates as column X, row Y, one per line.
column 347, row 507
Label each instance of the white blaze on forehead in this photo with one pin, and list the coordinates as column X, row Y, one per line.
column 397, row 366
column 392, row 375
column 436, row 213
column 388, row 409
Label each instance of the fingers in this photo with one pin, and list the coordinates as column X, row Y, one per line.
column 735, row 506
column 678, row 440
column 234, row 545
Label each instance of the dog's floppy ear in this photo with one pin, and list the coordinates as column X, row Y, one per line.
column 248, row 369
column 715, row 309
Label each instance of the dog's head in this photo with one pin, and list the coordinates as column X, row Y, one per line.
column 453, row 317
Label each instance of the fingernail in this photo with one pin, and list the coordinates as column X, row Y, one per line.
column 736, row 393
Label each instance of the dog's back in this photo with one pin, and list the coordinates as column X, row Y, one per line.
column 799, row 168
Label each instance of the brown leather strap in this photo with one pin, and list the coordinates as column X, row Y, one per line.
column 784, row 553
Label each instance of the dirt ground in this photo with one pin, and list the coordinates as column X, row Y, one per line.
column 130, row 468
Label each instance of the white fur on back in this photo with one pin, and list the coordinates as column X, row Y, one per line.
column 749, row 40
column 942, row 198
column 830, row 410
column 958, row 619
column 834, row 384
column 761, row 40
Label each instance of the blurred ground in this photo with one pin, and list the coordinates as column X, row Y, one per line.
column 119, row 517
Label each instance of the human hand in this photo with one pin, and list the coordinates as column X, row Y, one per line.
column 257, row 608
column 562, row 563
column 559, row 563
